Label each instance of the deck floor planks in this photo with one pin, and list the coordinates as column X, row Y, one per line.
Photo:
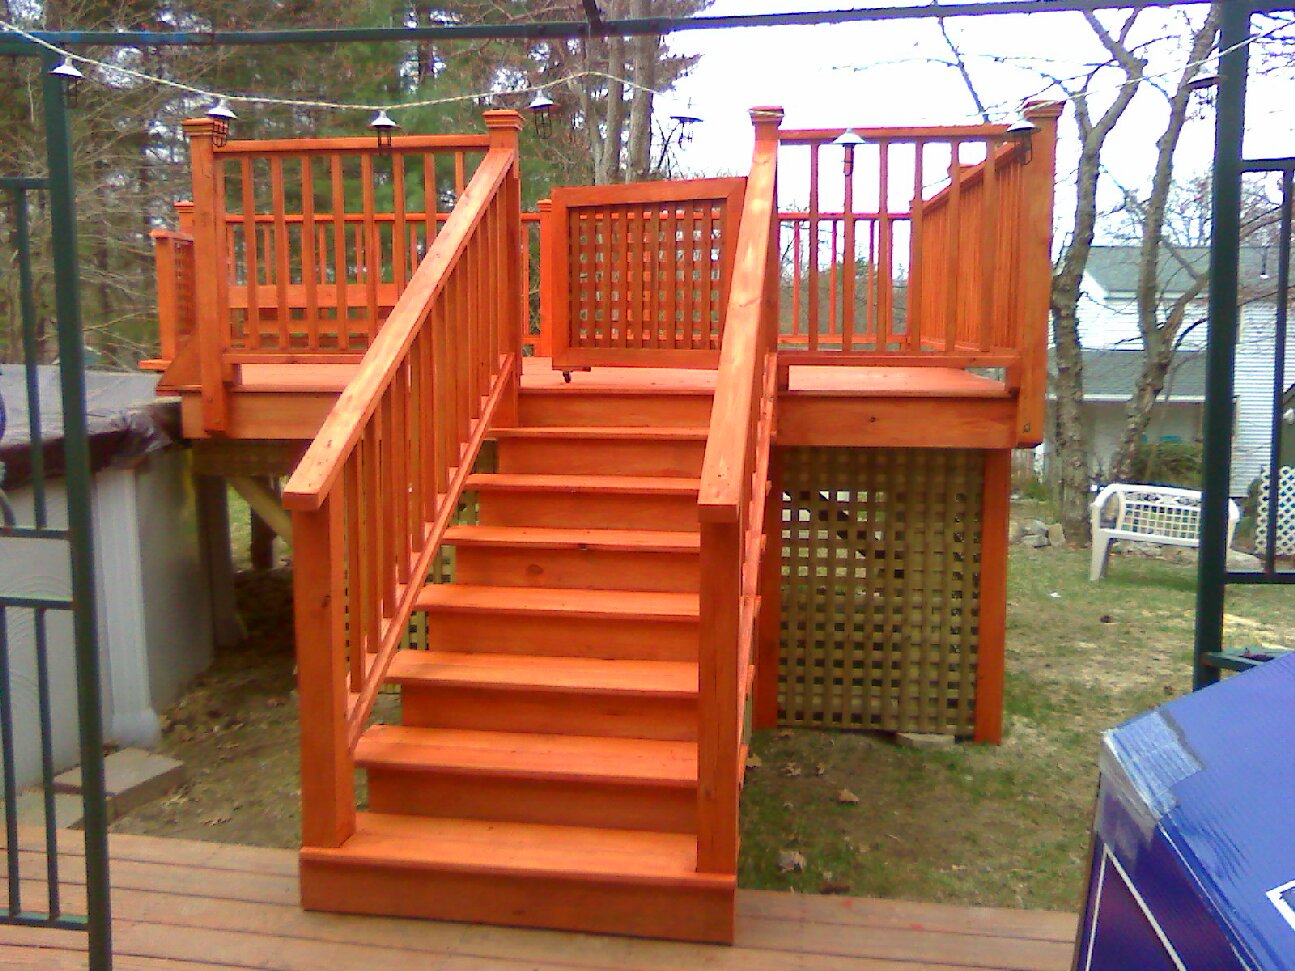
column 188, row 906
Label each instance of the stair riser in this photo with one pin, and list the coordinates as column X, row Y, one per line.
column 639, row 411
column 562, row 636
column 460, row 796
column 576, row 456
column 578, row 569
column 587, row 510
column 549, row 712
column 596, row 906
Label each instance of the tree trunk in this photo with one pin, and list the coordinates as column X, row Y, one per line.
column 609, row 162
column 645, row 59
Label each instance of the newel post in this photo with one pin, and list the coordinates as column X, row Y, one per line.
column 544, row 343
column 209, row 267
column 766, row 121
column 327, row 770
column 1039, row 176
column 505, row 132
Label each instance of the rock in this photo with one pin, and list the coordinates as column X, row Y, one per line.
column 1243, row 561
column 790, row 861
column 922, row 740
column 1015, row 532
column 132, row 777
column 1056, row 535
column 1035, row 527
column 1036, row 541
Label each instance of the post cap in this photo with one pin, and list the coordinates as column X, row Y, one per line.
column 767, row 115
column 503, row 118
column 198, row 127
column 544, row 205
column 1043, row 109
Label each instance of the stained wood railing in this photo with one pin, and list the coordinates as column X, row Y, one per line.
column 377, row 488
column 732, row 505
column 901, row 261
column 176, row 309
column 315, row 241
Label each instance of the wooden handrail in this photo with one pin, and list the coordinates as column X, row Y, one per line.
column 810, row 136
column 354, row 145
column 380, row 484
column 731, row 504
column 323, row 461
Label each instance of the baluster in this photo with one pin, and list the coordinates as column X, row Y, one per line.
column 283, row 312
column 372, row 261
column 341, row 270
column 847, row 269
column 398, row 257
column 813, row 247
column 309, row 255
column 917, row 309
column 885, row 268
column 989, row 245
column 953, row 249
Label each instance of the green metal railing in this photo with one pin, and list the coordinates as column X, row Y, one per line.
column 1230, row 167
column 77, row 538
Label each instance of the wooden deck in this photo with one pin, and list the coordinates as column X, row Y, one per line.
column 927, row 407
column 187, row 906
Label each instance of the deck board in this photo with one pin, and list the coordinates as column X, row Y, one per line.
column 188, row 906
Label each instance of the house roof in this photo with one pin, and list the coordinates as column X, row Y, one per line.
column 1115, row 268
column 1111, row 375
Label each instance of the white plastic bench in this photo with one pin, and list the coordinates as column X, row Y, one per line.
column 1149, row 514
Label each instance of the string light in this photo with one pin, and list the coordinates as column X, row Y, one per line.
column 541, row 108
column 385, row 127
column 221, row 115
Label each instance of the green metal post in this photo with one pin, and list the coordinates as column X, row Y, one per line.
column 1220, row 353
column 76, row 453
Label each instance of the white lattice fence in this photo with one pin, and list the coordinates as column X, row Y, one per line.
column 1285, row 513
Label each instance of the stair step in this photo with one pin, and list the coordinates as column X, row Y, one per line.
column 554, row 538
column 546, row 758
column 598, row 501
column 512, row 672
column 618, row 605
column 608, row 433
column 563, row 877
column 640, row 408
column 603, row 484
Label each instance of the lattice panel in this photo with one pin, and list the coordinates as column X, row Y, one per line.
column 1285, row 513
column 881, row 552
column 648, row 277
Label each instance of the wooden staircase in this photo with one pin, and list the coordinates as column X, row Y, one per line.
column 545, row 769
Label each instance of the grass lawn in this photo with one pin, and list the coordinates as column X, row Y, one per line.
column 1006, row 825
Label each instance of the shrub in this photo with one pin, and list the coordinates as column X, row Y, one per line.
column 1169, row 463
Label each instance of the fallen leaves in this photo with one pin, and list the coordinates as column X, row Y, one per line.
column 753, row 761
column 847, row 798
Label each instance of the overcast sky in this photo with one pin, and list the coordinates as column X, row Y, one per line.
column 882, row 74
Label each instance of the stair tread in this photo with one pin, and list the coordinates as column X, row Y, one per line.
column 514, row 671
column 680, row 433
column 543, row 537
column 611, row 604
column 541, row 482
column 520, row 849
column 575, row 758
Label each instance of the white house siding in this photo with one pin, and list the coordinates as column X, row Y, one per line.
column 1110, row 321
column 1256, row 352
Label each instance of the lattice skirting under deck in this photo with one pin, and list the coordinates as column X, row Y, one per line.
column 881, row 554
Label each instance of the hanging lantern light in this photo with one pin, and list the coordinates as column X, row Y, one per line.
column 848, row 140
column 1021, row 132
column 541, row 109
column 385, row 128
column 71, row 78
column 221, row 115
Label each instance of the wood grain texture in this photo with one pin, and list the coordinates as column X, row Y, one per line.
column 177, row 903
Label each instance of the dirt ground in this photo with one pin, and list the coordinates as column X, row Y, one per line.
column 1004, row 825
